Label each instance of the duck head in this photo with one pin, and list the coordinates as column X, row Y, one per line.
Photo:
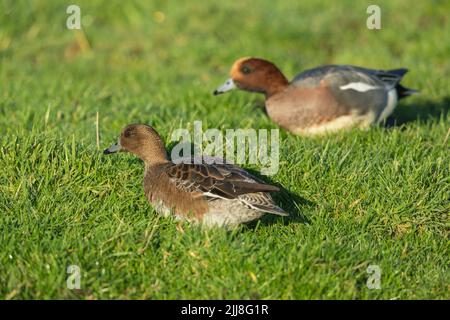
column 143, row 141
column 254, row 75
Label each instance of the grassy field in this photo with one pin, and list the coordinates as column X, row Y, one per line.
column 360, row 198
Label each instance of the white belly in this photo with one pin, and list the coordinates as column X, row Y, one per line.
column 390, row 106
column 340, row 123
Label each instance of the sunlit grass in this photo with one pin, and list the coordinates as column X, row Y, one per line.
column 377, row 197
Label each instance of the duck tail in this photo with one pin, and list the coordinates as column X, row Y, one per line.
column 273, row 209
column 399, row 72
column 403, row 92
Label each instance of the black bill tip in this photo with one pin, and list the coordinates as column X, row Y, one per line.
column 106, row 151
column 216, row 92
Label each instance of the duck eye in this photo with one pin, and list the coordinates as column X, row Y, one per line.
column 129, row 133
column 246, row 70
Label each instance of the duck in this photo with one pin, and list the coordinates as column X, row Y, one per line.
column 217, row 194
column 321, row 100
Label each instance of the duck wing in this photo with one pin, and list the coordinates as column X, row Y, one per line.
column 355, row 89
column 346, row 74
column 216, row 180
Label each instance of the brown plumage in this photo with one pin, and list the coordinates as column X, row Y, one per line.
column 323, row 99
column 258, row 75
column 215, row 194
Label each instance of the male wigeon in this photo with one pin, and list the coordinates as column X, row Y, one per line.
column 323, row 99
column 213, row 194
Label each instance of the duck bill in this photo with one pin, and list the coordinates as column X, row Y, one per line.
column 227, row 86
column 116, row 147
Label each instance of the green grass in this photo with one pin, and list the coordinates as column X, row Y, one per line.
column 357, row 198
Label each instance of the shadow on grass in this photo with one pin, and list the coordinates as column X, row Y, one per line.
column 289, row 201
column 421, row 110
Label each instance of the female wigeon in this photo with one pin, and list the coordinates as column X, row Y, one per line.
column 323, row 99
column 214, row 194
